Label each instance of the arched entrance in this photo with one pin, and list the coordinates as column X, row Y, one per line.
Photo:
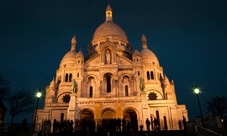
column 87, row 120
column 130, row 122
column 109, row 120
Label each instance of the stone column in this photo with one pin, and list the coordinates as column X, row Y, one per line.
column 72, row 107
column 145, row 108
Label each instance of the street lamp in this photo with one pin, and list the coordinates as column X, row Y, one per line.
column 197, row 91
column 38, row 95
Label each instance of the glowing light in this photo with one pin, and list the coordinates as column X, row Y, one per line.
column 38, row 94
column 196, row 90
column 108, row 13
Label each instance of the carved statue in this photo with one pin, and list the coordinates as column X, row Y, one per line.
column 74, row 86
column 142, row 86
column 108, row 57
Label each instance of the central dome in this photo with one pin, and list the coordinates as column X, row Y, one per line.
column 109, row 30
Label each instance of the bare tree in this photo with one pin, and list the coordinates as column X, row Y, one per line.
column 4, row 87
column 218, row 105
column 20, row 102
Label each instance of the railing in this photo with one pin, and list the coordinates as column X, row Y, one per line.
column 19, row 126
column 38, row 133
column 204, row 131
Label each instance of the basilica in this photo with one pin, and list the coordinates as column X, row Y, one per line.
column 111, row 82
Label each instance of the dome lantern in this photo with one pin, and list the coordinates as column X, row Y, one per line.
column 144, row 42
column 109, row 13
column 73, row 43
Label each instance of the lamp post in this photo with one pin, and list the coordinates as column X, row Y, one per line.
column 197, row 91
column 38, row 95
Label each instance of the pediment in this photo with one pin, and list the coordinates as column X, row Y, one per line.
column 93, row 61
column 122, row 60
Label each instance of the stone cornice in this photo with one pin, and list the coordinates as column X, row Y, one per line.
column 91, row 70
column 110, row 102
column 125, row 69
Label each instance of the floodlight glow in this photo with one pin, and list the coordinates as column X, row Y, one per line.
column 196, row 90
column 38, row 94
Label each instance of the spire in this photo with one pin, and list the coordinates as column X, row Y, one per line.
column 144, row 42
column 73, row 43
column 109, row 13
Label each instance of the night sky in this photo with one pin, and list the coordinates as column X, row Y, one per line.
column 189, row 37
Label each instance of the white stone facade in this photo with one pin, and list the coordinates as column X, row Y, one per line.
column 108, row 83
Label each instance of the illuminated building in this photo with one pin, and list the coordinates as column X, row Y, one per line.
column 108, row 83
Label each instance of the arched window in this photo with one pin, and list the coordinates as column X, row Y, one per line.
column 108, row 83
column 138, row 73
column 91, row 91
column 62, row 117
column 152, row 75
column 157, row 116
column 148, row 75
column 77, row 74
column 66, row 77
column 165, row 123
column 70, row 77
column 126, row 90
column 152, row 123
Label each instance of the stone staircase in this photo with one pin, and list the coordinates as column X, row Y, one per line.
column 143, row 133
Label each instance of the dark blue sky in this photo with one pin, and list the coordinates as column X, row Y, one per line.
column 189, row 37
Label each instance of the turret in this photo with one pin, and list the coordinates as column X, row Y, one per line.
column 73, row 43
column 109, row 13
column 144, row 42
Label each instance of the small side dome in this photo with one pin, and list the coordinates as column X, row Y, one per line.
column 79, row 54
column 166, row 80
column 149, row 57
column 52, row 84
column 69, row 59
column 136, row 53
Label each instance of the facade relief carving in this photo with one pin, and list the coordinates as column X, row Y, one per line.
column 108, row 57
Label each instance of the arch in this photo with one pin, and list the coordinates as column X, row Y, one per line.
column 130, row 115
column 108, row 83
column 91, row 91
column 158, row 93
column 123, row 75
column 165, row 123
column 89, row 76
column 62, row 117
column 61, row 95
column 78, row 74
column 108, row 114
column 152, row 75
column 87, row 118
column 148, row 75
column 126, row 90
column 104, row 109
column 85, row 108
column 158, row 116
column 66, row 77
column 70, row 77
column 152, row 117
column 108, row 77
